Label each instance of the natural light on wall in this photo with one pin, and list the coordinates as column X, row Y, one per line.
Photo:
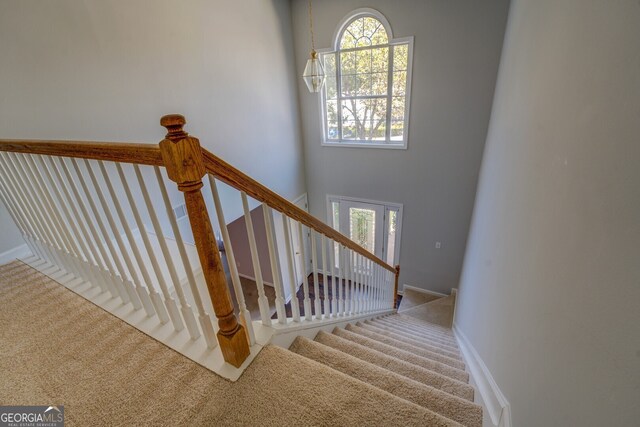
column 368, row 76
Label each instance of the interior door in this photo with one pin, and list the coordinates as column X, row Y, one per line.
column 363, row 223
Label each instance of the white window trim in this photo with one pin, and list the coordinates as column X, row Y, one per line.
column 396, row 206
column 393, row 145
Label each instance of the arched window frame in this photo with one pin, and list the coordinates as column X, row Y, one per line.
column 339, row 141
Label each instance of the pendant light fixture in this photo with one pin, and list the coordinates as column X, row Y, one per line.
column 313, row 74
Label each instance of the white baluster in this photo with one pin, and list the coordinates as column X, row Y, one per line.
column 92, row 236
column 367, row 284
column 305, row 280
column 341, row 285
column 245, row 316
column 117, row 281
column 142, row 292
column 377, row 286
column 66, row 250
column 348, row 282
column 295, row 307
column 44, row 234
column 105, row 267
column 172, row 307
column 316, row 284
column 334, row 294
column 45, row 196
column 79, row 231
column 203, row 317
column 106, row 209
column 275, row 265
column 20, row 221
column 16, row 197
column 263, row 302
column 158, row 306
column 325, row 280
column 390, row 289
column 364, row 285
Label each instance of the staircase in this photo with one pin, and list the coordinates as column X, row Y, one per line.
column 100, row 219
column 413, row 360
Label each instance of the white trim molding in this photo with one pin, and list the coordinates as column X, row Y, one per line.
column 21, row 251
column 494, row 403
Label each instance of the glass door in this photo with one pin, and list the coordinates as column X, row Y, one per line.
column 376, row 226
column 363, row 223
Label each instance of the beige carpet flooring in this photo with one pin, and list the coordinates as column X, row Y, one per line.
column 57, row 348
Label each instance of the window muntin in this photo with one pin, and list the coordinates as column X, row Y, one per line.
column 365, row 97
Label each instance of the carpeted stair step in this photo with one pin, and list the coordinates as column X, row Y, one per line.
column 413, row 345
column 401, row 324
column 423, row 323
column 101, row 373
column 434, row 365
column 409, row 370
column 422, row 375
column 407, row 336
column 445, row 404
column 394, row 326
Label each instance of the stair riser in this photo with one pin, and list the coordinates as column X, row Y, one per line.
column 435, row 347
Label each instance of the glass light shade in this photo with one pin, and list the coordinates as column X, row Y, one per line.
column 313, row 74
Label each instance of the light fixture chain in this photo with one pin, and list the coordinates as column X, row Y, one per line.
column 313, row 43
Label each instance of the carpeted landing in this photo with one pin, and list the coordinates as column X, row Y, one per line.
column 57, row 348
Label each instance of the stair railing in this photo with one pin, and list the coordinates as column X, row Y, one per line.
column 103, row 212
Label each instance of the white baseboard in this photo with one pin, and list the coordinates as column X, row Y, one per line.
column 21, row 251
column 424, row 291
column 253, row 279
column 494, row 403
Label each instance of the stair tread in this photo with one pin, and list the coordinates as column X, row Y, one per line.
column 421, row 346
column 421, row 333
column 318, row 383
column 438, row 401
column 418, row 373
column 422, row 323
column 400, row 323
column 403, row 355
column 412, row 337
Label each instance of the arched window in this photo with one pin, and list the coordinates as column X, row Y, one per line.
column 365, row 99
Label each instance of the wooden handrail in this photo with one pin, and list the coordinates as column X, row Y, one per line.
column 125, row 152
column 149, row 154
column 240, row 181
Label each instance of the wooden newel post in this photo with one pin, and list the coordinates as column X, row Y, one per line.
column 184, row 162
column 395, row 288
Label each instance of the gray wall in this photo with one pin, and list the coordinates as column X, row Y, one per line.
column 456, row 53
column 109, row 69
column 551, row 281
